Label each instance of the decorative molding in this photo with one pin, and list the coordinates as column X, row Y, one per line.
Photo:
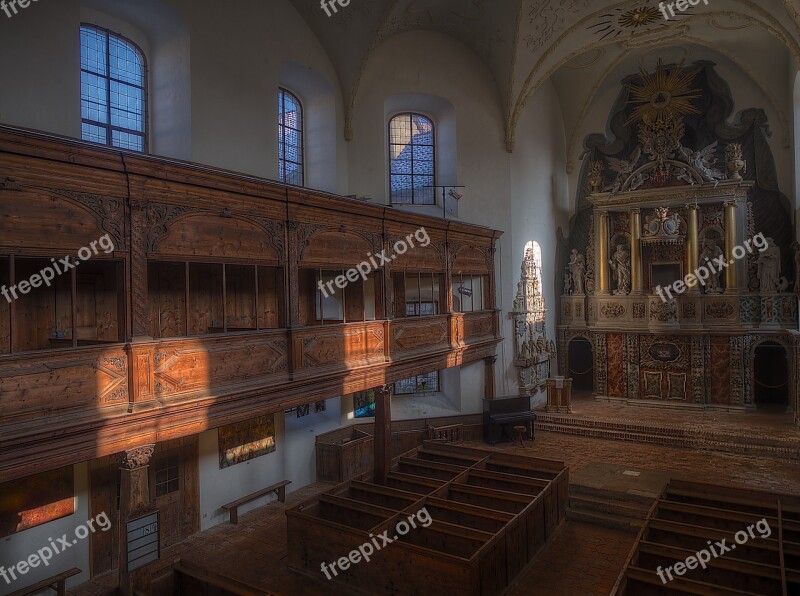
column 138, row 457
column 110, row 213
column 160, row 218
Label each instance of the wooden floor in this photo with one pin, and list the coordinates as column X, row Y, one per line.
column 580, row 555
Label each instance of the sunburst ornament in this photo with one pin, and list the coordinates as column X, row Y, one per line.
column 664, row 96
column 641, row 16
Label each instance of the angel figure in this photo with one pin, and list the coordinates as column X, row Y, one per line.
column 623, row 169
column 704, row 161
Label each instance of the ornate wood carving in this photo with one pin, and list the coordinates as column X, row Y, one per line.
column 159, row 218
column 138, row 457
column 110, row 213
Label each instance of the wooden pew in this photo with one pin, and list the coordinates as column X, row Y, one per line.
column 57, row 583
column 191, row 578
column 279, row 489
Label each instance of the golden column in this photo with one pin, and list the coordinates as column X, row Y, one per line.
column 693, row 248
column 730, row 243
column 602, row 281
column 637, row 281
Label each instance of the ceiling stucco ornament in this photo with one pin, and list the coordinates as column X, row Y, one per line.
column 586, row 60
column 735, row 23
column 623, row 19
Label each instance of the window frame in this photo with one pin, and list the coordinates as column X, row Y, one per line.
column 145, row 92
column 282, row 93
column 433, row 145
column 416, row 377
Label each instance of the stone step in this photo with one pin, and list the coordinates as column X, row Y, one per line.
column 607, row 520
column 625, row 508
column 633, row 498
column 744, row 445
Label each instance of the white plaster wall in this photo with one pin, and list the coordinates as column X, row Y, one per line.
column 425, row 63
column 293, row 459
column 540, row 205
column 19, row 547
column 214, row 76
column 471, row 381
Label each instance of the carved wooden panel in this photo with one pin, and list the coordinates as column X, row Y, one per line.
column 339, row 346
column 207, row 235
column 419, row 335
column 720, row 393
column 88, row 378
column 336, row 249
column 54, row 222
column 616, row 365
column 478, row 326
column 209, row 364
column 470, row 259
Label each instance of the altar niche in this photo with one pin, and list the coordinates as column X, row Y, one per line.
column 80, row 307
column 771, row 377
column 200, row 298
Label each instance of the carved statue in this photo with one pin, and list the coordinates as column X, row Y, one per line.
column 769, row 268
column 734, row 161
column 567, row 284
column 707, row 257
column 623, row 169
column 577, row 270
column 704, row 161
column 620, row 263
column 796, row 248
column 595, row 176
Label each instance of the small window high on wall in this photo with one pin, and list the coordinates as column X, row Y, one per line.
column 113, row 90
column 412, row 152
column 290, row 139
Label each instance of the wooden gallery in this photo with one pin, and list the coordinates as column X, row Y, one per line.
column 399, row 297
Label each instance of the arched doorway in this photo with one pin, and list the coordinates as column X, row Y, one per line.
column 771, row 377
column 580, row 365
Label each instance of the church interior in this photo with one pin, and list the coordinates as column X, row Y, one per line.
column 399, row 297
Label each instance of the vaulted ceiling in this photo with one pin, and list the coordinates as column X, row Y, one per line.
column 526, row 42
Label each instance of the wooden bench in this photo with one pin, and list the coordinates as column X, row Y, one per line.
column 57, row 583
column 279, row 489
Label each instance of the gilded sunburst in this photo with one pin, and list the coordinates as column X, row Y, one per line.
column 641, row 16
column 663, row 96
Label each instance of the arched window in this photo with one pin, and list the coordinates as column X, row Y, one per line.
column 290, row 138
column 412, row 149
column 113, row 90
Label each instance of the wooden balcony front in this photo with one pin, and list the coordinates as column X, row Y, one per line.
column 204, row 314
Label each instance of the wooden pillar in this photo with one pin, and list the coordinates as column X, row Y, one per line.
column 488, row 382
column 382, row 442
column 293, row 272
column 731, row 284
column 693, row 247
column 637, row 281
column 601, row 254
column 138, row 271
column 134, row 500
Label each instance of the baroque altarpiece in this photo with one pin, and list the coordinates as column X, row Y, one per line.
column 681, row 191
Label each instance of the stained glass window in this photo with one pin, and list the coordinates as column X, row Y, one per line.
column 427, row 383
column 113, row 90
column 290, row 139
column 412, row 151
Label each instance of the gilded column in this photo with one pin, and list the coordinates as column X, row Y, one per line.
column 637, row 281
column 731, row 284
column 693, row 248
column 601, row 260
